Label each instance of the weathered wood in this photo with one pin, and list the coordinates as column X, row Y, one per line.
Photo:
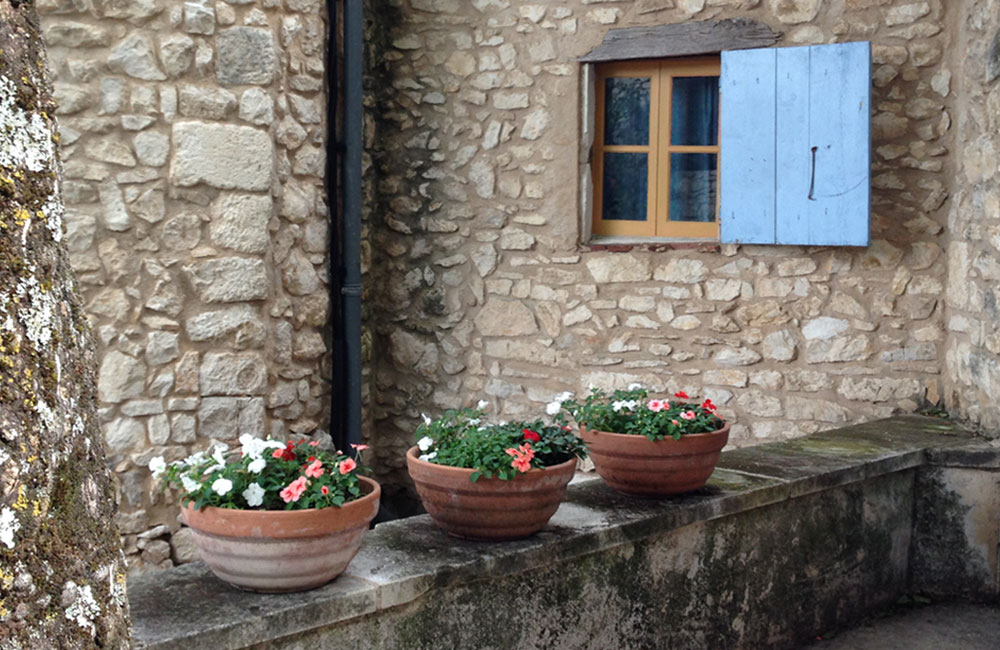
column 682, row 39
column 795, row 148
column 747, row 137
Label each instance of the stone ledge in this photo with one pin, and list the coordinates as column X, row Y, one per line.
column 402, row 560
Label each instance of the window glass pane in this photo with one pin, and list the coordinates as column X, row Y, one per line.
column 626, row 110
column 692, row 186
column 694, row 112
column 625, row 187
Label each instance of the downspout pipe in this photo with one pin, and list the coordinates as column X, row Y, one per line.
column 338, row 376
column 351, row 165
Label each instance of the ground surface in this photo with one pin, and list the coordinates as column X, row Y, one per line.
column 934, row 627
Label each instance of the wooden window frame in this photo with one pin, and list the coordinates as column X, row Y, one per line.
column 657, row 223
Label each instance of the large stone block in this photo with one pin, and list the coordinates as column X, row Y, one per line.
column 136, row 57
column 230, row 417
column 221, row 155
column 246, row 56
column 505, row 318
column 232, row 373
column 121, row 377
column 230, row 279
column 239, row 222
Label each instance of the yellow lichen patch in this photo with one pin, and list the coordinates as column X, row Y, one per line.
column 3, row 610
column 39, row 507
column 22, row 502
column 6, row 579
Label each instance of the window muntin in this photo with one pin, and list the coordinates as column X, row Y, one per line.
column 656, row 148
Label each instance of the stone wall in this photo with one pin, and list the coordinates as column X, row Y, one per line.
column 193, row 134
column 973, row 318
column 485, row 291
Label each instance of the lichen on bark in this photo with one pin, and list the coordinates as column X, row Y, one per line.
column 62, row 573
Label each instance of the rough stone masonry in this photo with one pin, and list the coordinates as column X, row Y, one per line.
column 195, row 140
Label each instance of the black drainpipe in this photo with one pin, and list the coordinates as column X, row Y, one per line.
column 350, row 224
column 338, row 376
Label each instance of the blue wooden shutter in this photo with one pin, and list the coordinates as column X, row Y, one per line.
column 796, row 145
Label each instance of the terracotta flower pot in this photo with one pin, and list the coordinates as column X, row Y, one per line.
column 282, row 550
column 489, row 509
column 639, row 466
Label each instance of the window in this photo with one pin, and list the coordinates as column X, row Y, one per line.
column 754, row 146
column 656, row 148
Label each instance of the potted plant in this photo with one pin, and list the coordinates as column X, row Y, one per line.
column 274, row 516
column 487, row 481
column 643, row 446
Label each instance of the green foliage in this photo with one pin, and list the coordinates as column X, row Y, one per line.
column 460, row 438
column 264, row 475
column 631, row 411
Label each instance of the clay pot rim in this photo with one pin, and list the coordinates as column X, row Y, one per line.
column 374, row 493
column 633, row 436
column 412, row 456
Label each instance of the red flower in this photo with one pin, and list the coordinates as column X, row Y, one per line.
column 709, row 406
column 521, row 463
column 315, row 470
column 682, row 395
column 531, row 435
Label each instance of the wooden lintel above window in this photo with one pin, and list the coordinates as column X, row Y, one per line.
column 681, row 39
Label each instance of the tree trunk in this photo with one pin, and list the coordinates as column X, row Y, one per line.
column 62, row 573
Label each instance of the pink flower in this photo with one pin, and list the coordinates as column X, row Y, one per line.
column 359, row 447
column 294, row 490
column 347, row 466
column 675, row 423
column 315, row 470
column 512, row 452
column 521, row 463
column 314, row 443
column 278, row 453
column 324, row 490
column 657, row 405
column 528, row 452
column 688, row 415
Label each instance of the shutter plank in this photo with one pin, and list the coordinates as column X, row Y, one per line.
column 792, row 152
column 747, row 166
column 839, row 97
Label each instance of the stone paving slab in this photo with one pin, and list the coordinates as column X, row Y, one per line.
column 935, row 627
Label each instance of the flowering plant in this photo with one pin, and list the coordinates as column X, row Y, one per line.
column 461, row 438
column 632, row 411
column 264, row 475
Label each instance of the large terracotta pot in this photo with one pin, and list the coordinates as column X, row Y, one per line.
column 639, row 466
column 282, row 550
column 489, row 509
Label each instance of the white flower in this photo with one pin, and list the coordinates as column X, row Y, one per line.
column 427, row 420
column 222, row 486
column 157, row 466
column 553, row 407
column 425, row 443
column 482, row 404
column 430, row 456
column 248, row 445
column 190, row 485
column 254, row 494
column 634, row 386
column 474, row 421
column 217, row 455
column 562, row 397
column 194, row 459
column 257, row 465
column 625, row 404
